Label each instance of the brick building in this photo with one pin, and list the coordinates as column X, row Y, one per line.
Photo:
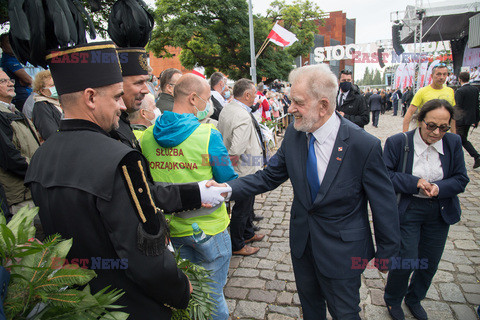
column 160, row 64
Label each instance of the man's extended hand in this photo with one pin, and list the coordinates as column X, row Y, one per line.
column 213, row 183
column 212, row 196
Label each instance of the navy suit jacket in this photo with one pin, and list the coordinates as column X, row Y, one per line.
column 337, row 220
column 454, row 180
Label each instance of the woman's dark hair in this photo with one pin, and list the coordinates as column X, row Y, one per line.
column 432, row 105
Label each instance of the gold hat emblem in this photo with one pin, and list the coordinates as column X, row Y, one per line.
column 142, row 59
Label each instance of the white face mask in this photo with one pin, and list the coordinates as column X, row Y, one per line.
column 157, row 113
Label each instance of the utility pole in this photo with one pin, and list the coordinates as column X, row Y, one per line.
column 253, row 62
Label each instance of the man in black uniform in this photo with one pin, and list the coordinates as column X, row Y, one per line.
column 135, row 76
column 95, row 190
column 350, row 103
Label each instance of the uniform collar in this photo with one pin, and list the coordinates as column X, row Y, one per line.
column 80, row 124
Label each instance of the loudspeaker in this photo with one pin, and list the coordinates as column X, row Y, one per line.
column 397, row 46
column 380, row 57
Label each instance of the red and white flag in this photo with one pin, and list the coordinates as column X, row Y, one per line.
column 281, row 36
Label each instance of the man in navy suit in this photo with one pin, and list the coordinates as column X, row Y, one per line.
column 335, row 168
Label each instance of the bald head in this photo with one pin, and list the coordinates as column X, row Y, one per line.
column 190, row 91
column 189, row 83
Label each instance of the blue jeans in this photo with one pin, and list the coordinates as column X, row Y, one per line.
column 424, row 234
column 213, row 255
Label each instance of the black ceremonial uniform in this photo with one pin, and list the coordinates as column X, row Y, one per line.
column 125, row 134
column 94, row 189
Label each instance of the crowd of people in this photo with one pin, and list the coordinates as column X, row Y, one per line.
column 126, row 163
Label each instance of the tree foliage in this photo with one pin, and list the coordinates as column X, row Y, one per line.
column 371, row 78
column 215, row 35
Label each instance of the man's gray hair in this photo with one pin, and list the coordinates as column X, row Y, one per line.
column 241, row 86
column 321, row 82
column 215, row 78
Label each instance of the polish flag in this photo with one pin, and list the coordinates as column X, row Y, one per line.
column 281, row 36
column 199, row 71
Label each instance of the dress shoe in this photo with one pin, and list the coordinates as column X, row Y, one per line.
column 417, row 311
column 256, row 228
column 257, row 237
column 246, row 251
column 257, row 218
column 396, row 312
column 476, row 164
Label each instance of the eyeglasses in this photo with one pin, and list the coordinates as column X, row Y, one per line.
column 172, row 84
column 432, row 127
column 3, row 81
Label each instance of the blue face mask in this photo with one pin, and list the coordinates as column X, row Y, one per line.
column 226, row 95
column 202, row 114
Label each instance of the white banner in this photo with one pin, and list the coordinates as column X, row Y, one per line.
column 422, row 75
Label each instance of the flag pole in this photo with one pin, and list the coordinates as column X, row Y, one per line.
column 261, row 49
column 253, row 63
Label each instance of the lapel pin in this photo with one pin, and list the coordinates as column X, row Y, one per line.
column 340, row 149
column 339, row 159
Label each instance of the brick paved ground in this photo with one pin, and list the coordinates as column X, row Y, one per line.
column 262, row 286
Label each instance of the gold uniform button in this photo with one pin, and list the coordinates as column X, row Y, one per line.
column 140, row 190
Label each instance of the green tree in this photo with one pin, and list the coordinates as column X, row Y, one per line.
column 377, row 79
column 215, row 34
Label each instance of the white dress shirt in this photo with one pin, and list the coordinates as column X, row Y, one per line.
column 325, row 140
column 426, row 160
column 219, row 97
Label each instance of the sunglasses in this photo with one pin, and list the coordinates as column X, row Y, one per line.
column 432, row 127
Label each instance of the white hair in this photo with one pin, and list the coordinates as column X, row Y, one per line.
column 322, row 83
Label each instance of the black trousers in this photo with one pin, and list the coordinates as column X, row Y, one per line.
column 241, row 223
column 375, row 117
column 424, row 234
column 317, row 292
column 462, row 131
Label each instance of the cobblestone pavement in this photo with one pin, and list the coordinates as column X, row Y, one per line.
column 262, row 286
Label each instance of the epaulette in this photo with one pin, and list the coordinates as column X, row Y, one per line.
column 152, row 231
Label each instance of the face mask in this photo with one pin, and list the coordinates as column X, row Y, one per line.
column 227, row 95
column 53, row 92
column 202, row 114
column 157, row 113
column 155, row 83
column 345, row 86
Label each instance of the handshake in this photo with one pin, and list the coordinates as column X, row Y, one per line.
column 213, row 193
column 427, row 189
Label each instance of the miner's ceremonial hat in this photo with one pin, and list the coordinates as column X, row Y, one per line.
column 133, row 60
column 91, row 65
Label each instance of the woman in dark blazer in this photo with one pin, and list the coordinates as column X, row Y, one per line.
column 47, row 112
column 435, row 174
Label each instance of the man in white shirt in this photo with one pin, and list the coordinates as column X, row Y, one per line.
column 218, row 85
